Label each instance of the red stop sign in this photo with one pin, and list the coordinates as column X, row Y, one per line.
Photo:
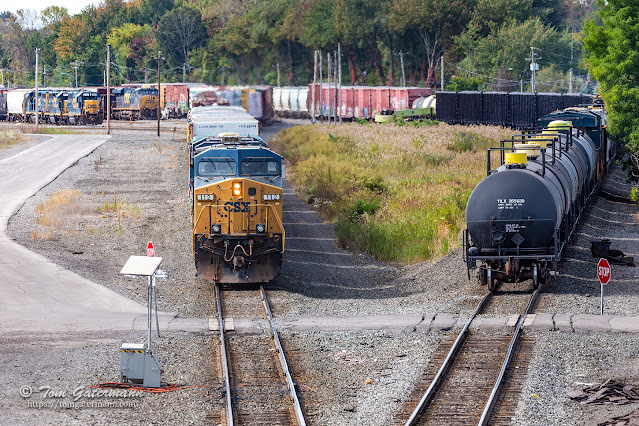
column 603, row 271
column 150, row 250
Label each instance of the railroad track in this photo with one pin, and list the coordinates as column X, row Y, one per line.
column 463, row 383
column 258, row 383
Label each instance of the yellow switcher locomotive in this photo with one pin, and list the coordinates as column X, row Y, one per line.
column 236, row 195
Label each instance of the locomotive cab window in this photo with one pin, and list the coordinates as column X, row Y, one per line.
column 259, row 167
column 216, row 168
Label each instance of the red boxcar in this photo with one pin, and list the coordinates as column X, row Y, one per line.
column 174, row 97
column 362, row 98
column 380, row 99
column 348, row 102
column 403, row 97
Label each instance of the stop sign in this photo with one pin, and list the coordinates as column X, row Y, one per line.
column 150, row 250
column 603, row 271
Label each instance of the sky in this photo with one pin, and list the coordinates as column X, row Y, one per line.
column 74, row 6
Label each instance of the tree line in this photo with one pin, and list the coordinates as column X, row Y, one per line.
column 486, row 44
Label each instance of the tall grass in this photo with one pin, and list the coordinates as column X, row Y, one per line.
column 398, row 193
column 10, row 137
column 56, row 214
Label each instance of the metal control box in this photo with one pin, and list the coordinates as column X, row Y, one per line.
column 139, row 367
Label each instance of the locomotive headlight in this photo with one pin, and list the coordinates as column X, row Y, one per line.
column 237, row 189
column 216, row 228
column 260, row 228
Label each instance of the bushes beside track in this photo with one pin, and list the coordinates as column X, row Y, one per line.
column 397, row 193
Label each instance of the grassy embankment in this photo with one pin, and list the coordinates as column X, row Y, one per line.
column 396, row 192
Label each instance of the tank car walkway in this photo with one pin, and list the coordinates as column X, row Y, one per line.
column 36, row 294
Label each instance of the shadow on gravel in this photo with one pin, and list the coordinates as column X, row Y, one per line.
column 314, row 267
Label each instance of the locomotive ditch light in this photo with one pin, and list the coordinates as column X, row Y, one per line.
column 260, row 228
column 237, row 189
column 216, row 228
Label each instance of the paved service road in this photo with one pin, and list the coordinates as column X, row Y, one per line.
column 36, row 294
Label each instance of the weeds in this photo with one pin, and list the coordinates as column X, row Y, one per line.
column 57, row 213
column 634, row 194
column 10, row 137
column 398, row 194
column 462, row 142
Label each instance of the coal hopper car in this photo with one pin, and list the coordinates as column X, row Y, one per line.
column 522, row 214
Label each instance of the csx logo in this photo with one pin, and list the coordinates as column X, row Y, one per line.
column 237, row 206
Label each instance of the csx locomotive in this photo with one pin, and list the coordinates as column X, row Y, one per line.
column 56, row 106
column 134, row 103
column 236, row 206
column 521, row 216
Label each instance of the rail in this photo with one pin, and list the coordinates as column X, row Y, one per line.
column 448, row 361
column 488, row 409
column 278, row 346
column 225, row 362
column 289, row 380
column 453, row 352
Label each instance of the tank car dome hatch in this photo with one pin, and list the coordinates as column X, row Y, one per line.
column 559, row 125
column 524, row 148
column 516, row 158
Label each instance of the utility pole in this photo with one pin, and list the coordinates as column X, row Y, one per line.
column 75, row 66
column 37, row 100
column 183, row 73
column 108, row 84
column 336, row 88
column 330, row 99
column 313, row 106
column 321, row 86
column 145, row 73
column 442, row 73
column 278, row 74
column 401, row 61
column 2, row 71
column 339, row 67
column 533, row 67
column 44, row 75
column 158, row 111
column 571, row 56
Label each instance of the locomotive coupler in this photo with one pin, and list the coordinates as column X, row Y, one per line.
column 238, row 262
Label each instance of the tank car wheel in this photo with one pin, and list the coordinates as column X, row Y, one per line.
column 535, row 272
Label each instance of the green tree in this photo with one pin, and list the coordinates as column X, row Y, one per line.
column 612, row 57
column 179, row 32
column 436, row 21
column 509, row 47
column 465, row 83
column 132, row 44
